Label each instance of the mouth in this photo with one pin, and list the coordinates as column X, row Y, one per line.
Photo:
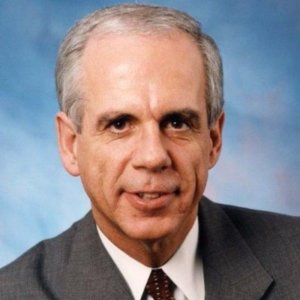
column 150, row 196
column 151, row 200
column 154, row 195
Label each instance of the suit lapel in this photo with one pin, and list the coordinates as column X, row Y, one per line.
column 231, row 270
column 91, row 273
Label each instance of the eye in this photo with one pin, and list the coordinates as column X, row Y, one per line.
column 120, row 124
column 176, row 122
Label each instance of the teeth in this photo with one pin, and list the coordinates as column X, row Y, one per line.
column 149, row 196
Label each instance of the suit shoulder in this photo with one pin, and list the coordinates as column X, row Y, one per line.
column 262, row 226
column 244, row 218
column 244, row 241
column 41, row 261
column 240, row 216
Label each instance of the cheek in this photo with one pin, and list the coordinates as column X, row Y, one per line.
column 91, row 167
column 194, row 158
column 115, row 157
column 194, row 163
column 201, row 170
column 105, row 164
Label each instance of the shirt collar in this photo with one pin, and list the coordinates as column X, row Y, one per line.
column 185, row 267
column 181, row 267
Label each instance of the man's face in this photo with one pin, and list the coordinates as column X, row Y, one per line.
column 145, row 148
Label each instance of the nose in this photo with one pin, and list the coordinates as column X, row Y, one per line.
column 151, row 152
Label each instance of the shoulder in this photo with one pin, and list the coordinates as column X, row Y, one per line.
column 233, row 235
column 272, row 237
column 253, row 223
column 269, row 235
column 42, row 263
column 264, row 227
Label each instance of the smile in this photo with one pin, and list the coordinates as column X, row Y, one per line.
column 150, row 196
column 150, row 201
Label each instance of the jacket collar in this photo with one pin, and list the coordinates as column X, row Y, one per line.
column 91, row 273
column 231, row 270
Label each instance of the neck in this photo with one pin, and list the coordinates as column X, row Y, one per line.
column 151, row 253
column 154, row 253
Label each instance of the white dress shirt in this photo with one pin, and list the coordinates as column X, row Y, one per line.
column 184, row 268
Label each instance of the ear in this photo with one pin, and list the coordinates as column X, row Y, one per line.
column 216, row 140
column 67, row 143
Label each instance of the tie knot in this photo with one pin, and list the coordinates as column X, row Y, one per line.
column 160, row 286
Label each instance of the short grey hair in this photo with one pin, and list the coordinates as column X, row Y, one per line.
column 135, row 19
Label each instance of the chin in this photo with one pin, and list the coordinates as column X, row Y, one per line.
column 150, row 230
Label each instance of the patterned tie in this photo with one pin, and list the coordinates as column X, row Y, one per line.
column 160, row 286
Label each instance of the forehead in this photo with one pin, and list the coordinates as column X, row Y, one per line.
column 167, row 67
column 172, row 50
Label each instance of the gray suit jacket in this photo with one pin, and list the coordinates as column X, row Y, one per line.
column 246, row 255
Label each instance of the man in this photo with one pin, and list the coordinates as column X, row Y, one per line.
column 140, row 92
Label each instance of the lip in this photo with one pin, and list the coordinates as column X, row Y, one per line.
column 148, row 205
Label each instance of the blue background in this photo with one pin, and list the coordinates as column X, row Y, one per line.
column 259, row 167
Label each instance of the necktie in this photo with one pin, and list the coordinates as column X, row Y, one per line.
column 160, row 286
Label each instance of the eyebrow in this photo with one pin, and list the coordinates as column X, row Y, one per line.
column 108, row 116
